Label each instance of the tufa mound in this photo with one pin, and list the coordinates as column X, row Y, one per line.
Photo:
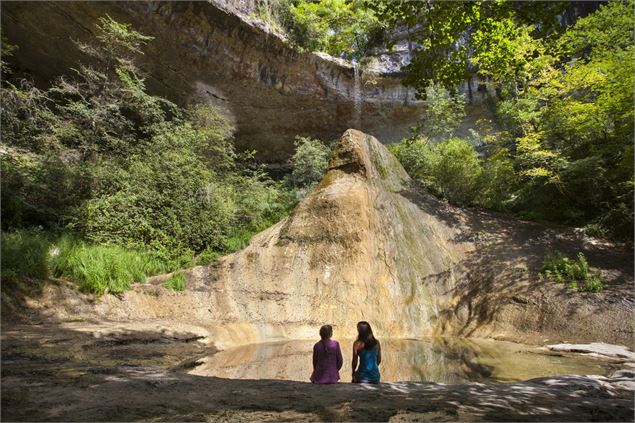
column 354, row 249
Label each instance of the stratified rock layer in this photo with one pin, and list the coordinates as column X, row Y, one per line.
column 209, row 52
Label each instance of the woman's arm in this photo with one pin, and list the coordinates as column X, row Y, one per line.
column 315, row 356
column 378, row 353
column 355, row 349
column 338, row 357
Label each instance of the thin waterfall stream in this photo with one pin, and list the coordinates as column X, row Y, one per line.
column 357, row 96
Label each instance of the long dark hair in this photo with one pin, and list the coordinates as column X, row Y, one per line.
column 326, row 332
column 365, row 335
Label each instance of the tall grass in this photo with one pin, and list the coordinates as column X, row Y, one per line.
column 24, row 254
column 96, row 269
column 102, row 268
column 176, row 282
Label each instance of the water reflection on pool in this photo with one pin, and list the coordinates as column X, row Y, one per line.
column 444, row 360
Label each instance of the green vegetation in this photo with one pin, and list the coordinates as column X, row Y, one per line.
column 102, row 269
column 504, row 37
column 24, row 254
column 310, row 161
column 96, row 268
column 560, row 148
column 176, row 282
column 574, row 273
column 138, row 183
column 341, row 28
column 450, row 169
column 125, row 184
column 443, row 114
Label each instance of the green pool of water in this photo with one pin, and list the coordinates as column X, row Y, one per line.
column 443, row 360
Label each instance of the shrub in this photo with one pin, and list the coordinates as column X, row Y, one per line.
column 574, row 273
column 310, row 161
column 457, row 171
column 417, row 156
column 499, row 181
column 592, row 284
column 97, row 155
column 24, row 254
column 450, row 169
column 176, row 282
column 102, row 269
column 275, row 13
column 39, row 190
column 206, row 257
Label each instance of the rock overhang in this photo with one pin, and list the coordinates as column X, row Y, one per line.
column 204, row 52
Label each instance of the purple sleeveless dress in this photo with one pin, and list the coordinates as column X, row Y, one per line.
column 326, row 362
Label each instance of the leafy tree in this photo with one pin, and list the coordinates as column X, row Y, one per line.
column 582, row 113
column 565, row 109
column 499, row 181
column 507, row 53
column 453, row 39
column 342, row 28
column 443, row 114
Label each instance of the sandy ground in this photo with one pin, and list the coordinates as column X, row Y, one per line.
column 86, row 371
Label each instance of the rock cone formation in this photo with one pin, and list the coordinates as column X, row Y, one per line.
column 354, row 249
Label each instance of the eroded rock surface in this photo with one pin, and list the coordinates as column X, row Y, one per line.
column 85, row 371
column 600, row 348
column 365, row 244
column 62, row 391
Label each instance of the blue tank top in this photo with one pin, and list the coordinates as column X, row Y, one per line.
column 368, row 370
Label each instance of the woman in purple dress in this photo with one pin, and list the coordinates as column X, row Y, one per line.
column 327, row 358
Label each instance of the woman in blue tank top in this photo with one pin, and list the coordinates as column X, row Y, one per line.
column 366, row 351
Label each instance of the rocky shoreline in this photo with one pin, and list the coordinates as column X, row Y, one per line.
column 56, row 372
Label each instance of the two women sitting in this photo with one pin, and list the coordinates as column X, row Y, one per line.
column 327, row 357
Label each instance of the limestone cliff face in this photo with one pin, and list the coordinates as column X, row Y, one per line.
column 214, row 52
